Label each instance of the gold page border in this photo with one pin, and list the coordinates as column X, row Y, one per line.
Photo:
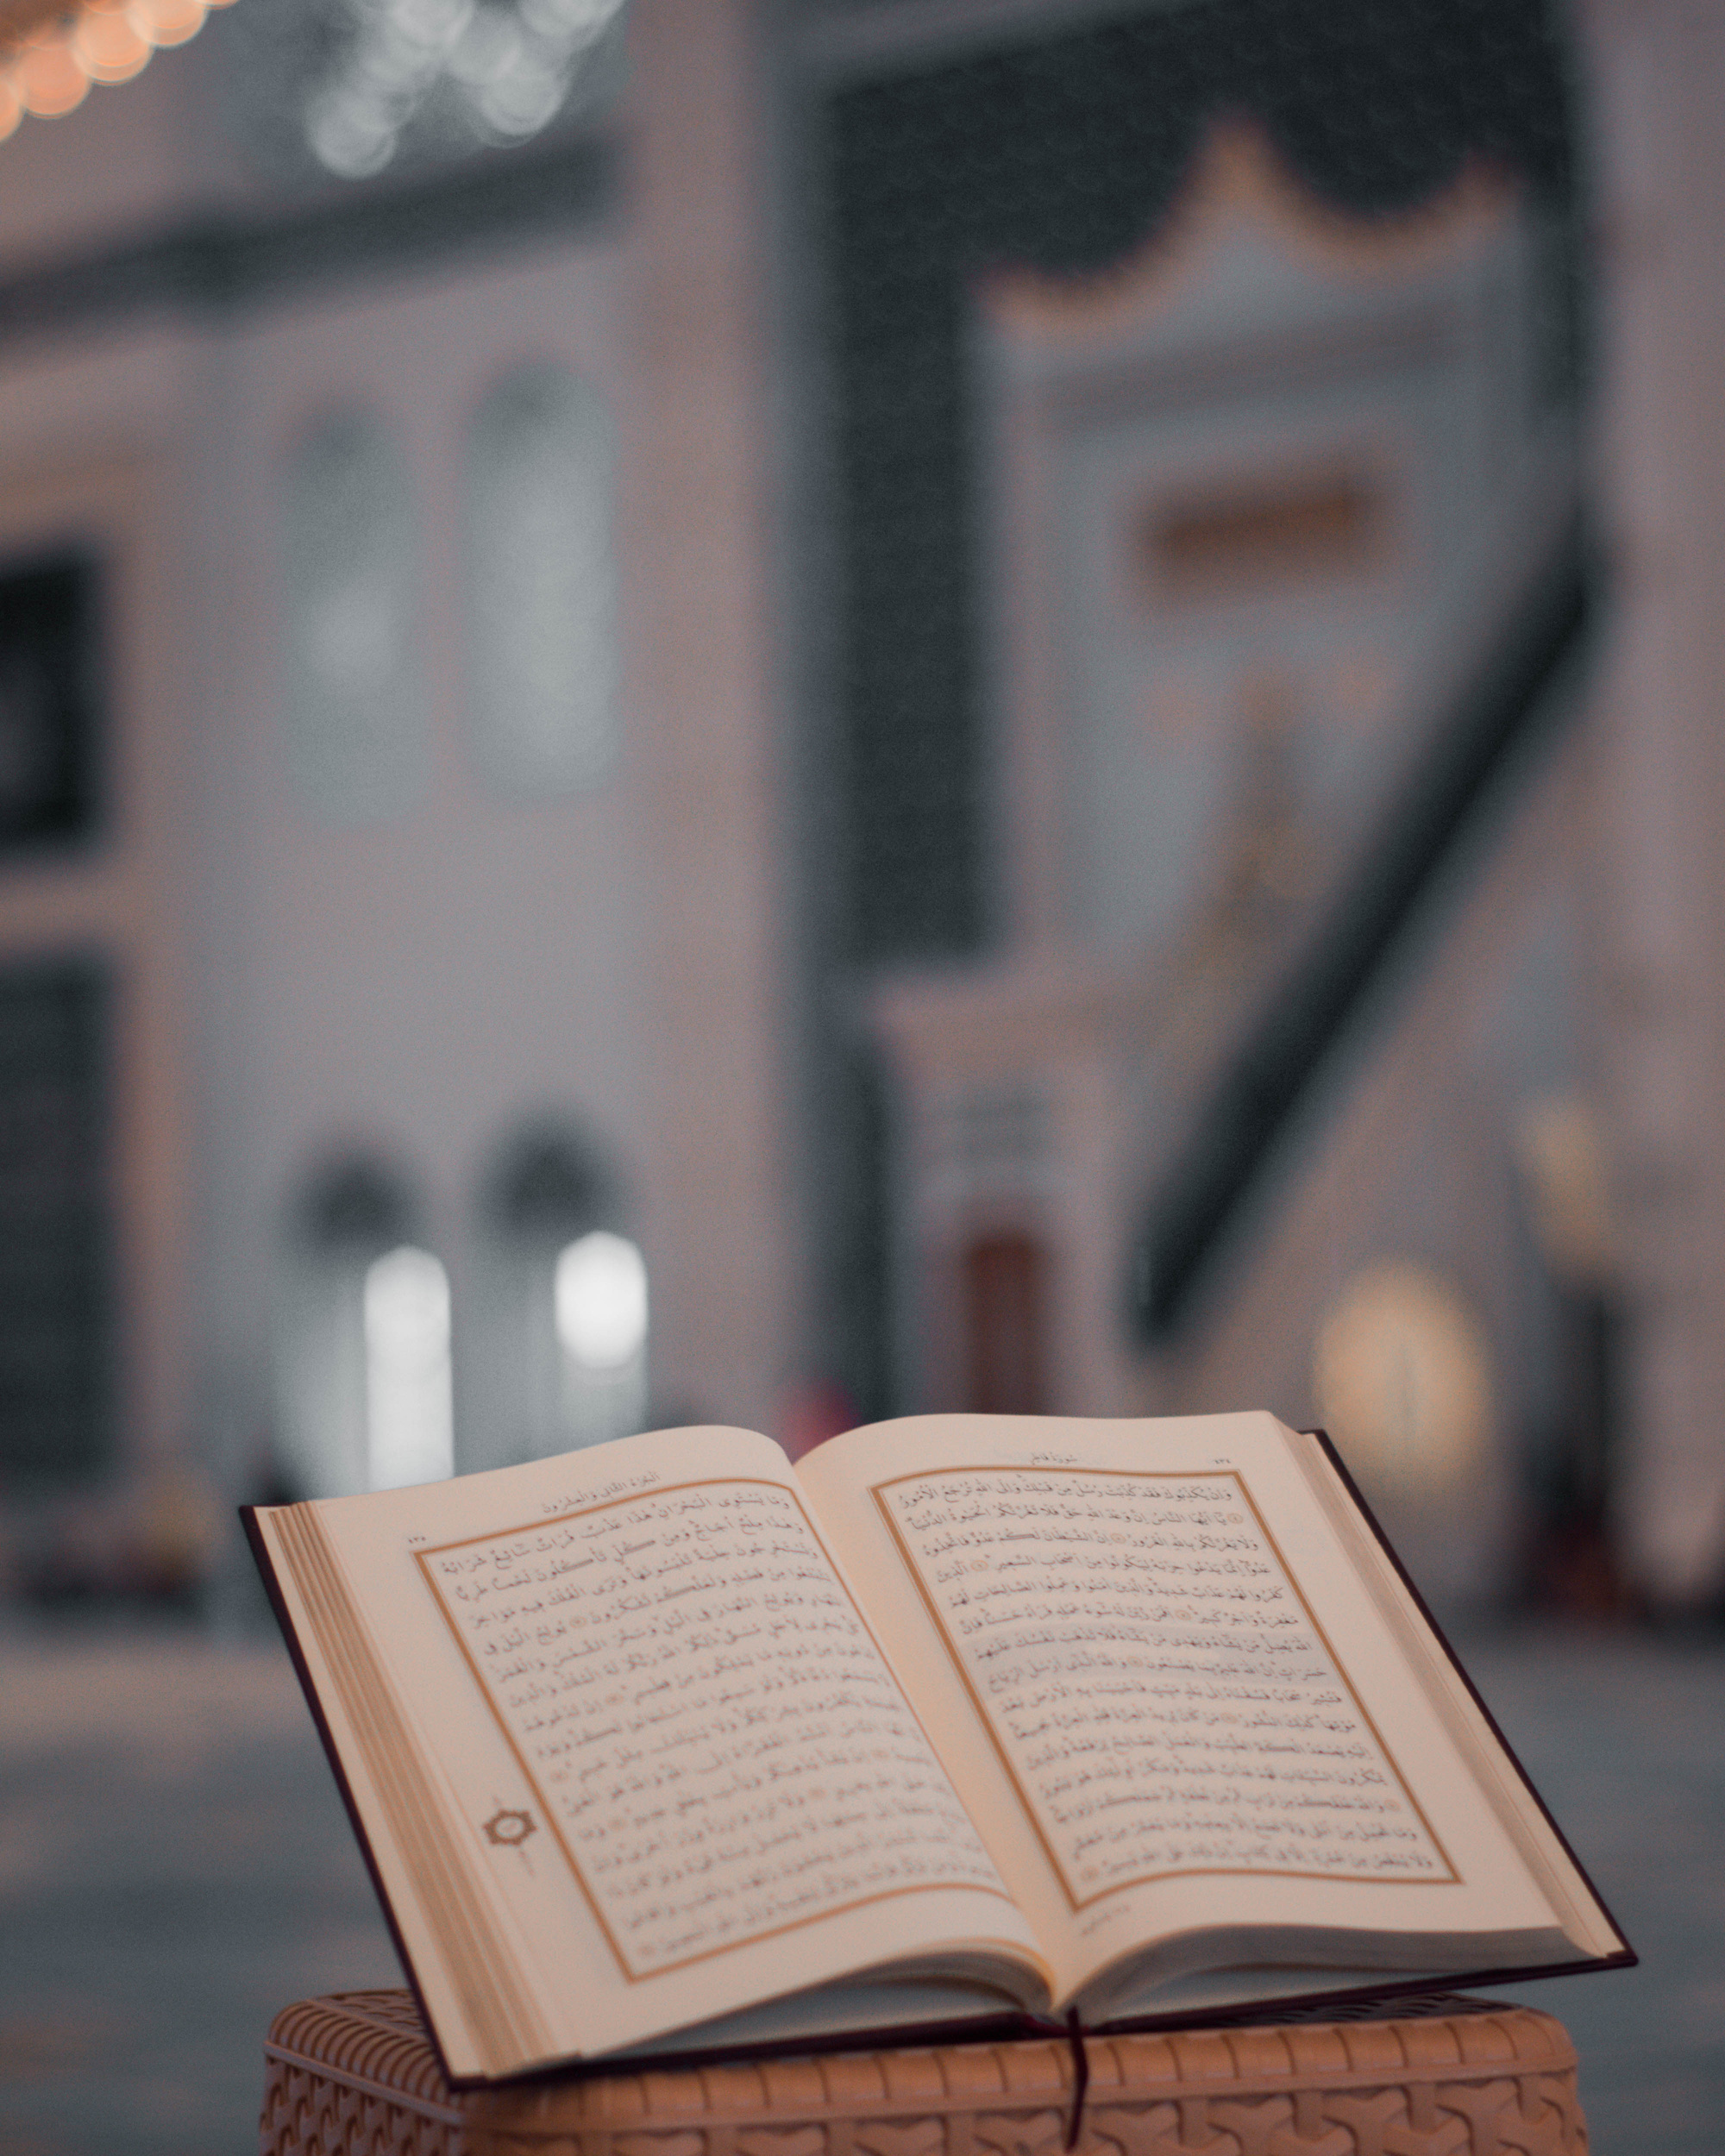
column 877, row 1490
column 637, row 1497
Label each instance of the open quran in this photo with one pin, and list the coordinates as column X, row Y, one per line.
column 962, row 1724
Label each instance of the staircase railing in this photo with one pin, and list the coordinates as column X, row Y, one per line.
column 1489, row 741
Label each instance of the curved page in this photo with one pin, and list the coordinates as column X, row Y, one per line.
column 1171, row 1704
column 626, row 1750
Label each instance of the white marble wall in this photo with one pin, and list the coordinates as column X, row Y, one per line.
column 425, row 979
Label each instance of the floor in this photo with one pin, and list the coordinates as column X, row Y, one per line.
column 174, row 1866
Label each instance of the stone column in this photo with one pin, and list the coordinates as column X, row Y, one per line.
column 699, row 673
column 1655, row 92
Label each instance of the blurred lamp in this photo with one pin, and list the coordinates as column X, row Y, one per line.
column 1403, row 1378
column 51, row 50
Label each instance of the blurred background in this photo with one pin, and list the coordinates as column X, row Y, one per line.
column 784, row 710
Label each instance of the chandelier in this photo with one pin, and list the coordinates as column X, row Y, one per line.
column 362, row 83
column 51, row 50
column 440, row 76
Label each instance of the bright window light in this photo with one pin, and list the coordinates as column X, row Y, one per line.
column 601, row 1301
column 410, row 1421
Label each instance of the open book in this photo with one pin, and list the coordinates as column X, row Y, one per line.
column 964, row 1717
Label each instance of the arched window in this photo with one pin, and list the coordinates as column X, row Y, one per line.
column 542, row 584
column 354, row 705
column 410, row 1418
column 566, row 1316
column 364, row 1393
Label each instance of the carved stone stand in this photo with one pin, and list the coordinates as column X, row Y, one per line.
column 355, row 2076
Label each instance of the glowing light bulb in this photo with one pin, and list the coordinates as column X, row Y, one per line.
column 166, row 21
column 49, row 78
column 107, row 45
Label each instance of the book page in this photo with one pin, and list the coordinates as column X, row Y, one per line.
column 1163, row 1691
column 1158, row 1692
column 717, row 1747
column 660, row 1740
